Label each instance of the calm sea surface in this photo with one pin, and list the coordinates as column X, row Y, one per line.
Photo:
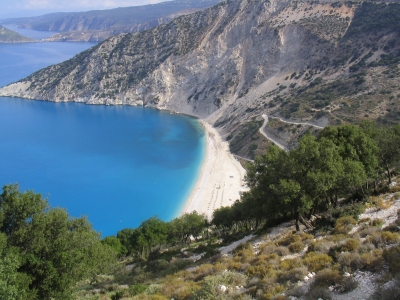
column 118, row 165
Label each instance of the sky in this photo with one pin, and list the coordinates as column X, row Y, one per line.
column 27, row 8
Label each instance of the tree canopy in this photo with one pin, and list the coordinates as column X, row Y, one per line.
column 44, row 251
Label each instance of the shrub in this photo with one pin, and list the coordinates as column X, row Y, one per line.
column 352, row 210
column 392, row 257
column 327, row 277
column 350, row 245
column 363, row 220
column 322, row 246
column 372, row 261
column 380, row 203
column 384, row 238
column 344, row 225
column 136, row 289
column 296, row 247
column 157, row 265
column 153, row 289
column 367, row 231
column 349, row 261
column 377, row 222
column 366, row 247
column 261, row 271
column 282, row 251
column 211, row 286
column 318, row 293
column 292, row 238
column 348, row 284
column 267, row 249
column 317, row 261
column 306, row 236
column 297, row 274
column 289, row 264
column 273, row 291
column 244, row 253
column 386, row 292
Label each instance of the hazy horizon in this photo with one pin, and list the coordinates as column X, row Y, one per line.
column 31, row 8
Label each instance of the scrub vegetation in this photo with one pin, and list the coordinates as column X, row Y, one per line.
column 321, row 187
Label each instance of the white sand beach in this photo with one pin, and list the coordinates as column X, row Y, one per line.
column 220, row 179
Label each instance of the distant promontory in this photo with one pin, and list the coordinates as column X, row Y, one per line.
column 10, row 36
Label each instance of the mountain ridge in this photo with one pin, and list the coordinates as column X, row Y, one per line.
column 98, row 25
column 238, row 60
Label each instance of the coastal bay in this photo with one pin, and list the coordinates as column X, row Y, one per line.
column 213, row 177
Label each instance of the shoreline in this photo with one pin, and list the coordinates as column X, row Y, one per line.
column 220, row 180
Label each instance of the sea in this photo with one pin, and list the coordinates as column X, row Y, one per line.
column 116, row 165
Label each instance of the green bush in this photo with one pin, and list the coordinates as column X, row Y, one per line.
column 322, row 246
column 136, row 289
column 348, row 284
column 352, row 210
column 384, row 238
column 372, row 261
column 281, row 251
column 292, row 238
column 344, row 225
column 327, row 277
column 349, row 261
column 377, row 222
column 392, row 258
column 350, row 245
column 296, row 247
column 295, row 275
column 317, row 261
column 318, row 293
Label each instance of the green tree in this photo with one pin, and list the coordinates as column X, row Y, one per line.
column 354, row 145
column 387, row 139
column 152, row 232
column 115, row 244
column 13, row 284
column 187, row 225
column 126, row 237
column 48, row 247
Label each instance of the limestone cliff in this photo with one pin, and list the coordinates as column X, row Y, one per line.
column 238, row 60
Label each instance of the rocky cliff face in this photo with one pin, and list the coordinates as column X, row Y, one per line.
column 236, row 61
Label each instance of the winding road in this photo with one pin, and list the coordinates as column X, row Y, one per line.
column 273, row 139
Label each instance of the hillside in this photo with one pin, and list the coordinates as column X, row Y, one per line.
column 10, row 36
column 98, row 25
column 356, row 258
column 308, row 63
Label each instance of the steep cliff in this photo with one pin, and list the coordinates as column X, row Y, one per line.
column 234, row 62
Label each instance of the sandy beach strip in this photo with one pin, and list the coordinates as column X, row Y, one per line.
column 221, row 177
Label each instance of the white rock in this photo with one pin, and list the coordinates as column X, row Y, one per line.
column 222, row 288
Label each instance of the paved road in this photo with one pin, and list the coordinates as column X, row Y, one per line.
column 271, row 138
column 297, row 123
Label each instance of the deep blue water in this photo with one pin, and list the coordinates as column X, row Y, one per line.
column 34, row 34
column 118, row 165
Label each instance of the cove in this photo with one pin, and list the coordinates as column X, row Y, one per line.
column 117, row 165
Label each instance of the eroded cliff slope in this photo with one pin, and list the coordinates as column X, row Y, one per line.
column 238, row 60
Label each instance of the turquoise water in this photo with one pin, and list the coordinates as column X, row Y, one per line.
column 118, row 165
